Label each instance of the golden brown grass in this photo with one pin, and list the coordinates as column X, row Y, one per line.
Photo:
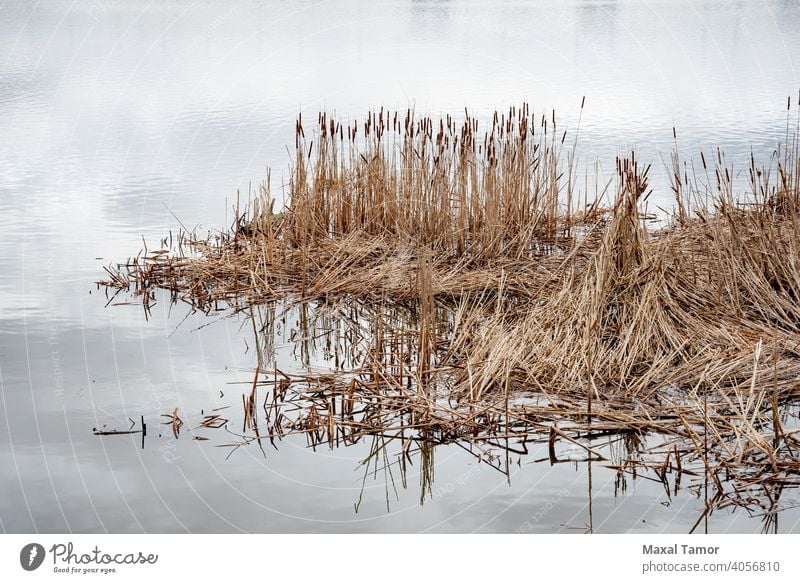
column 513, row 288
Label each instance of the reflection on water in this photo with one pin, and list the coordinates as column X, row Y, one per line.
column 358, row 379
column 127, row 119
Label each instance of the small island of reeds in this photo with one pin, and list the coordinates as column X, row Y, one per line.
column 473, row 291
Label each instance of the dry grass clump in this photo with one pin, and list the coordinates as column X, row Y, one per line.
column 363, row 209
column 523, row 315
column 442, row 186
column 671, row 308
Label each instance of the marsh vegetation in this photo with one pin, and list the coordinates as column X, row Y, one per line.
column 472, row 285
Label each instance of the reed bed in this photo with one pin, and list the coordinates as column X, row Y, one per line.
column 480, row 298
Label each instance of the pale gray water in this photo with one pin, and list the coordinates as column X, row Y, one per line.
column 112, row 112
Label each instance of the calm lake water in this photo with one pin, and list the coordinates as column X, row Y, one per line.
column 122, row 120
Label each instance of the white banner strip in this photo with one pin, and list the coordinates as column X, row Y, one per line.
column 399, row 558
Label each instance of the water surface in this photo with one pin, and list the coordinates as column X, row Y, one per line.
column 124, row 120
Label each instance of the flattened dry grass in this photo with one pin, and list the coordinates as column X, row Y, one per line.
column 515, row 286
